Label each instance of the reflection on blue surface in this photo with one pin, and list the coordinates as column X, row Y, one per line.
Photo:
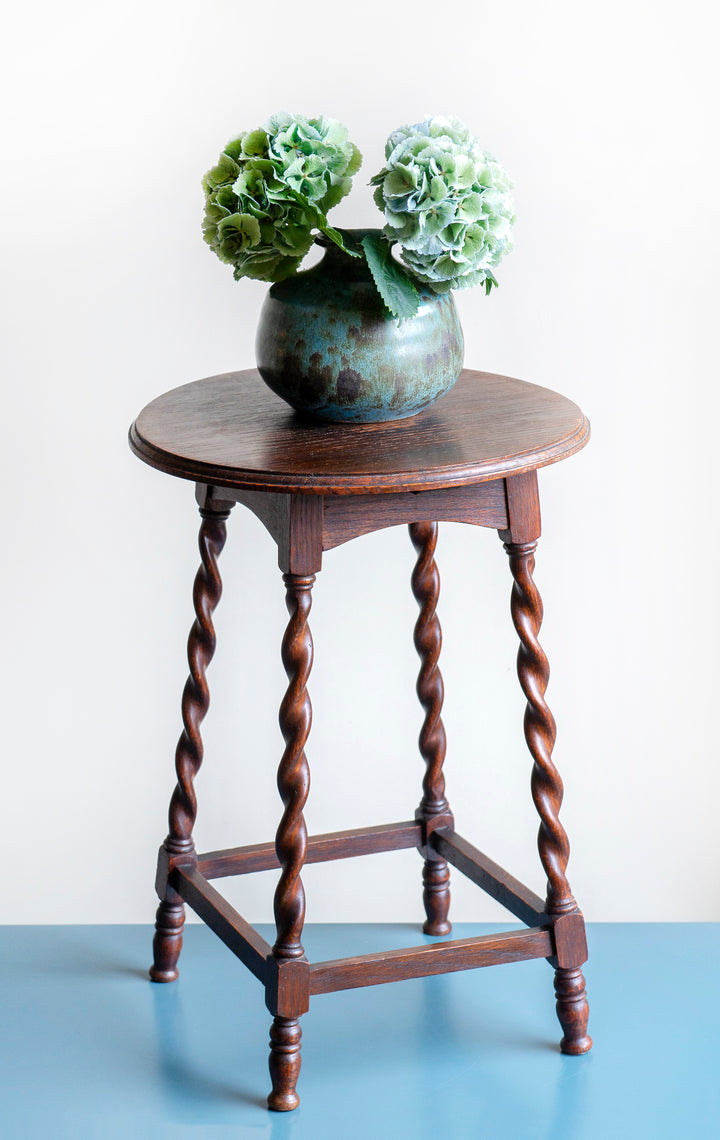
column 90, row 1048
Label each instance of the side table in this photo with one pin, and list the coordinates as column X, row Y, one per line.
column 472, row 458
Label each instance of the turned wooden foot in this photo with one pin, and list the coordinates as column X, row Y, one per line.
column 436, row 897
column 168, row 940
column 572, row 1010
column 285, row 1035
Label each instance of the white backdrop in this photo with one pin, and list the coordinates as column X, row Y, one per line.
column 604, row 117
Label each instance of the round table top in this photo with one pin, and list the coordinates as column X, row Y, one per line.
column 232, row 431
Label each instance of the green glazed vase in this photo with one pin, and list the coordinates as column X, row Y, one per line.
column 328, row 346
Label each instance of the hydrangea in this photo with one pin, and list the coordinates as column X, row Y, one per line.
column 271, row 188
column 315, row 157
column 447, row 203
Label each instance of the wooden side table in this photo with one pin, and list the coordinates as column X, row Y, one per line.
column 470, row 458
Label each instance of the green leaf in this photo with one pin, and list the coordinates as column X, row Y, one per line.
column 489, row 282
column 338, row 236
column 320, row 221
column 394, row 285
column 350, row 244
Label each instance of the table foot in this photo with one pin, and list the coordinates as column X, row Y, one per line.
column 285, row 1036
column 572, row 1010
column 167, row 943
column 436, row 897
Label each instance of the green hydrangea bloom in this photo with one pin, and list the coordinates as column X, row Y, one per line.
column 447, row 203
column 271, row 188
column 316, row 157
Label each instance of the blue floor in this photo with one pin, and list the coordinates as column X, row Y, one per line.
column 90, row 1048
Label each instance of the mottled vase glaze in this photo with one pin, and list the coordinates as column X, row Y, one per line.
column 328, row 346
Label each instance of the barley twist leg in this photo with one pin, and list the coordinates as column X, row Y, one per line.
column 546, row 784
column 207, row 589
column 291, row 838
column 428, row 641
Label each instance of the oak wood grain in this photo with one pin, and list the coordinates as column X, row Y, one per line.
column 489, row 876
column 346, row 517
column 423, row 961
column 320, row 848
column 237, row 934
column 232, row 431
column 287, row 986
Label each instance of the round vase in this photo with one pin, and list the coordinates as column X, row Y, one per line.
column 328, row 346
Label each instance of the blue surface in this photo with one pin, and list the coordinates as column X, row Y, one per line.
column 90, row 1048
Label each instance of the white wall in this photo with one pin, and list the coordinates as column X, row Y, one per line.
column 603, row 117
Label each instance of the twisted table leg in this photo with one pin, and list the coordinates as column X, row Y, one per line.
column 428, row 641
column 547, row 788
column 189, row 753
column 291, row 838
